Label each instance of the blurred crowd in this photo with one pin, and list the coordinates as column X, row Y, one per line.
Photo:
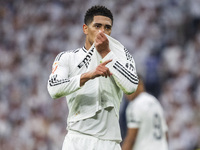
column 162, row 35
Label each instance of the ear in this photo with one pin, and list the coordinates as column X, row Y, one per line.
column 85, row 29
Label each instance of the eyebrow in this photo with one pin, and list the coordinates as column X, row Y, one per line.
column 107, row 25
column 97, row 24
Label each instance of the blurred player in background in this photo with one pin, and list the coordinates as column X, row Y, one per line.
column 147, row 129
column 93, row 79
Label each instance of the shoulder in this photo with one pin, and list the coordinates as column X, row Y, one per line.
column 146, row 97
column 141, row 98
column 148, row 101
column 67, row 53
column 74, row 51
column 141, row 101
column 58, row 57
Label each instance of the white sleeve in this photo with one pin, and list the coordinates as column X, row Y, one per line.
column 133, row 116
column 59, row 83
column 124, row 72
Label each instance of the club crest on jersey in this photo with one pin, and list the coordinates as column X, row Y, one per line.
column 54, row 67
column 87, row 59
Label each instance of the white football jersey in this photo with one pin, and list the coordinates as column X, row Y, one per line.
column 83, row 102
column 146, row 114
column 88, row 104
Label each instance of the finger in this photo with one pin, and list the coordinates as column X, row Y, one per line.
column 96, row 42
column 109, row 73
column 99, row 36
column 103, row 71
column 100, row 32
column 103, row 35
column 105, row 74
column 106, row 62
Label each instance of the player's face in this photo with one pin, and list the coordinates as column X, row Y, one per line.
column 99, row 23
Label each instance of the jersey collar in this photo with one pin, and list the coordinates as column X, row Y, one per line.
column 84, row 49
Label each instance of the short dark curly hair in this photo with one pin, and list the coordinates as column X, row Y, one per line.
column 97, row 11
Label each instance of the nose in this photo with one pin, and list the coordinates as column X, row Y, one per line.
column 102, row 29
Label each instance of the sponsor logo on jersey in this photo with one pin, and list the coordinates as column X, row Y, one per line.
column 87, row 59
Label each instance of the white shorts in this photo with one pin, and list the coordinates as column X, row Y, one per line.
column 75, row 141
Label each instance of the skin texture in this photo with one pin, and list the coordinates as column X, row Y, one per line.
column 95, row 33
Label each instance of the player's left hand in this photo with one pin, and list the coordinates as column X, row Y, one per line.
column 102, row 44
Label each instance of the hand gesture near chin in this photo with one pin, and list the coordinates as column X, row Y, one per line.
column 102, row 44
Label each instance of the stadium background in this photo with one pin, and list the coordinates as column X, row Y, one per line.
column 162, row 35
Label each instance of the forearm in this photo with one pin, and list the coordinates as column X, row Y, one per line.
column 127, row 144
column 84, row 78
column 130, row 139
column 62, row 87
column 126, row 78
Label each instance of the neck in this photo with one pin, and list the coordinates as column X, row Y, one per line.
column 87, row 44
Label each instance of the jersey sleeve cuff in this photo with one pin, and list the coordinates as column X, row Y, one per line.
column 133, row 125
column 78, row 77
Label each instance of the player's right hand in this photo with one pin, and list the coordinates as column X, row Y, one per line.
column 101, row 70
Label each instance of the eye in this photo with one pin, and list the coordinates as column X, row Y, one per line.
column 98, row 26
column 108, row 27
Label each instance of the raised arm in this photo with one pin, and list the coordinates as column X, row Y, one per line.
column 122, row 66
column 124, row 73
